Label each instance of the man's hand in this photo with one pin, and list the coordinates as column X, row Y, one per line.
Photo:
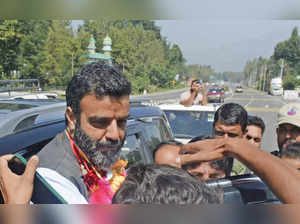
column 202, row 151
column 17, row 189
column 196, row 87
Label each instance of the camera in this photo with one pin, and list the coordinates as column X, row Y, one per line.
column 198, row 82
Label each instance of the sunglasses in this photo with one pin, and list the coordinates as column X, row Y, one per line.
column 257, row 140
column 229, row 134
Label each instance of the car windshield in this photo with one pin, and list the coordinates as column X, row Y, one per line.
column 215, row 90
column 189, row 124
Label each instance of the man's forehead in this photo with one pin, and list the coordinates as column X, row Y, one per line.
column 228, row 126
column 253, row 128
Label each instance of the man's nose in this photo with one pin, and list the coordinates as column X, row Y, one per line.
column 112, row 131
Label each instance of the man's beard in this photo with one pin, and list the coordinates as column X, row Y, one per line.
column 102, row 154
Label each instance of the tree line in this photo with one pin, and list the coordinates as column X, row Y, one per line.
column 285, row 63
column 52, row 50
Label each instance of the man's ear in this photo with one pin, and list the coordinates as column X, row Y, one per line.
column 70, row 116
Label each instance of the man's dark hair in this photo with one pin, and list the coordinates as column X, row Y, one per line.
column 291, row 151
column 256, row 121
column 163, row 184
column 160, row 145
column 225, row 164
column 96, row 78
column 231, row 114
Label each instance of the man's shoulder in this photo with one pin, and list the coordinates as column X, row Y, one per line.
column 185, row 94
column 66, row 188
column 57, row 154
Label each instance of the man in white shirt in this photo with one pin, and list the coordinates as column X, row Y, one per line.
column 195, row 96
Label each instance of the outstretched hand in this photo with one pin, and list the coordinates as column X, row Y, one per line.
column 17, row 189
column 202, row 151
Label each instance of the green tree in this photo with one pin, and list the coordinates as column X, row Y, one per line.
column 10, row 38
column 56, row 69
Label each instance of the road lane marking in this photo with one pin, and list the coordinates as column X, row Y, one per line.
column 251, row 100
column 258, row 99
column 262, row 109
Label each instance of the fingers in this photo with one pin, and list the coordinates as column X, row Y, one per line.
column 3, row 166
column 31, row 167
column 7, row 157
column 202, row 156
column 204, row 145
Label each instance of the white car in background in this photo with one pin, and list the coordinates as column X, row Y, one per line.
column 189, row 122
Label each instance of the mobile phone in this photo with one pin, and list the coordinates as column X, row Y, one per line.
column 42, row 193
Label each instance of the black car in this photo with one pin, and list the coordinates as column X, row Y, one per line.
column 146, row 128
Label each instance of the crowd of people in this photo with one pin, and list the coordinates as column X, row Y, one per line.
column 77, row 162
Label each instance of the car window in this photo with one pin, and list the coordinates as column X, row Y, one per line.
column 156, row 132
column 189, row 124
column 214, row 90
column 132, row 150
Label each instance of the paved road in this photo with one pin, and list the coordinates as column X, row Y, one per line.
column 264, row 106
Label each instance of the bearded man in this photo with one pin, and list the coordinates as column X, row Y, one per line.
column 96, row 114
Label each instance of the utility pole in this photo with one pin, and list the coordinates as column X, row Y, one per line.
column 72, row 64
column 265, row 74
column 281, row 68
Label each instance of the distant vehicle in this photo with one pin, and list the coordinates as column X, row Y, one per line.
column 239, row 89
column 276, row 88
column 29, row 96
column 215, row 95
column 36, row 96
column 189, row 122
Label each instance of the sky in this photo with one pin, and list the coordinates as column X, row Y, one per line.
column 226, row 44
column 224, row 34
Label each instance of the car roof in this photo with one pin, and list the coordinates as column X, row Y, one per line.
column 138, row 111
column 179, row 107
column 27, row 118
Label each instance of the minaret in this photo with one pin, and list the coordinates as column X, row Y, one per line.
column 92, row 46
column 107, row 46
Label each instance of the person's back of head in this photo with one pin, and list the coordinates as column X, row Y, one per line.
column 163, row 184
column 231, row 114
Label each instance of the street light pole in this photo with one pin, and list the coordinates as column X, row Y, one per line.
column 281, row 68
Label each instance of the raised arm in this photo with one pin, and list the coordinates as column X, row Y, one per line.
column 282, row 179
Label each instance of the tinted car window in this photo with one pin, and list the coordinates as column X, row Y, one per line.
column 216, row 90
column 189, row 124
column 132, row 150
column 156, row 132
